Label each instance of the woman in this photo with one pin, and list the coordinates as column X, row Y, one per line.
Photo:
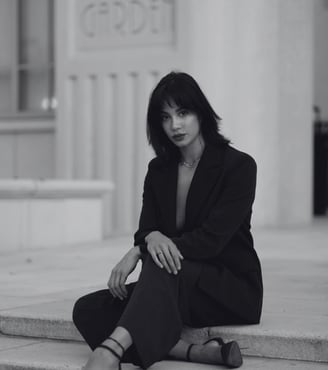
column 199, row 265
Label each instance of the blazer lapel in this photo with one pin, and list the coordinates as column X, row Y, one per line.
column 206, row 176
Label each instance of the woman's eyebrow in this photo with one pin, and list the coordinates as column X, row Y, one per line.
column 176, row 109
column 182, row 108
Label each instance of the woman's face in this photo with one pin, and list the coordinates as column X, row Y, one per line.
column 181, row 125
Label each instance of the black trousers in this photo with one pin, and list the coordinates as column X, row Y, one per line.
column 157, row 308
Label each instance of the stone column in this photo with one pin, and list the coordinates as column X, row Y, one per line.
column 254, row 60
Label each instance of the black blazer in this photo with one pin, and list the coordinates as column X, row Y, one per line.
column 217, row 223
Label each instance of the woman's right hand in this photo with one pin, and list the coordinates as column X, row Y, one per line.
column 164, row 252
column 121, row 271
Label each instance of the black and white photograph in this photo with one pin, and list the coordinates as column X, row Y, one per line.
column 163, row 184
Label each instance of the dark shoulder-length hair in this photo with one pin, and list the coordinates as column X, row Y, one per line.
column 180, row 88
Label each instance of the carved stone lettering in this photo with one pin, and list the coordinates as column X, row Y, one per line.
column 102, row 24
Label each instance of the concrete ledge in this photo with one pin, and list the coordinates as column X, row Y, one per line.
column 20, row 354
column 277, row 343
column 50, row 328
column 52, row 320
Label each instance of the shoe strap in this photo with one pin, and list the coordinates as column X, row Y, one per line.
column 117, row 342
column 188, row 352
column 110, row 350
column 219, row 340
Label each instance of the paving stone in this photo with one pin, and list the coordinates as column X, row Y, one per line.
column 10, row 343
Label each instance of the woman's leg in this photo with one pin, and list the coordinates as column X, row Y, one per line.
column 102, row 359
column 152, row 318
column 96, row 316
column 106, row 359
column 158, row 308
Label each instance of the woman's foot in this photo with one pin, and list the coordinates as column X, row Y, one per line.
column 215, row 351
column 204, row 353
column 230, row 352
column 105, row 357
column 101, row 359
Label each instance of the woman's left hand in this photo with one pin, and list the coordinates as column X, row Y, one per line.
column 164, row 252
column 121, row 271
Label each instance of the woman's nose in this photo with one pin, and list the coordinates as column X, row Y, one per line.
column 176, row 123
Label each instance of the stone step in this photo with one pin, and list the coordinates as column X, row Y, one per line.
column 36, row 354
column 275, row 337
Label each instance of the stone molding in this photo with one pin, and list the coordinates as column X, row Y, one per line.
column 29, row 188
column 51, row 213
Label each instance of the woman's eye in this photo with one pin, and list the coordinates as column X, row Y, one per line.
column 183, row 112
column 164, row 118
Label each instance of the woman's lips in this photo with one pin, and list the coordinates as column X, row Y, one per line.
column 178, row 137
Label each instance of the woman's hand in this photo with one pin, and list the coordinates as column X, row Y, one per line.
column 164, row 252
column 121, row 271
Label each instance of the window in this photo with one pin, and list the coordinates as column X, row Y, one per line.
column 27, row 58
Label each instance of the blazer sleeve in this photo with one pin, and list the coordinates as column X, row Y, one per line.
column 148, row 216
column 227, row 215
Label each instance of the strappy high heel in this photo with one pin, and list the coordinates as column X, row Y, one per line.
column 188, row 352
column 113, row 351
column 230, row 352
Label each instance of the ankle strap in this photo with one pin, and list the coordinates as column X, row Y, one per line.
column 110, row 350
column 118, row 343
column 218, row 340
column 188, row 352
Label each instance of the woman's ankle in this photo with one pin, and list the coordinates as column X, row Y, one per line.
column 114, row 346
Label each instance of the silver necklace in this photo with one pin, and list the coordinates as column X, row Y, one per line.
column 190, row 164
column 193, row 163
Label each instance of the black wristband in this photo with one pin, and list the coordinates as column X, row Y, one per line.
column 143, row 248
